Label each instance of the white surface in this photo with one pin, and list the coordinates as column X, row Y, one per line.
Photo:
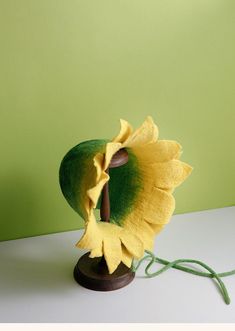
column 36, row 282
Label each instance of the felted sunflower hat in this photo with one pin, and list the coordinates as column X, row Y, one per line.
column 140, row 191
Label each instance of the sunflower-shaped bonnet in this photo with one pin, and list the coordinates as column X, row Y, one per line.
column 141, row 200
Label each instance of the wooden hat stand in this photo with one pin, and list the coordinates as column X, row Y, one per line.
column 92, row 273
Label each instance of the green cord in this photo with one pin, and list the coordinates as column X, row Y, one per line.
column 176, row 265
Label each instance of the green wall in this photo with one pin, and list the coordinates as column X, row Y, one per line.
column 70, row 69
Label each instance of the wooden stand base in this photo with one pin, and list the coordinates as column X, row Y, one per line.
column 92, row 273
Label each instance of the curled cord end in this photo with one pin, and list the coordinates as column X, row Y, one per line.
column 176, row 265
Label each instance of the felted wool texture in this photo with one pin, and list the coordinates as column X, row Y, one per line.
column 141, row 197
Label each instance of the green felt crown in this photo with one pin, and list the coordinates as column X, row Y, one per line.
column 124, row 184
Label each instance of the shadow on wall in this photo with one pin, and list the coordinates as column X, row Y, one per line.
column 19, row 206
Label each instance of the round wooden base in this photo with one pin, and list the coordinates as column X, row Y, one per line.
column 92, row 273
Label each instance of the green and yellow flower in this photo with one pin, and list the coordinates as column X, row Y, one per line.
column 140, row 191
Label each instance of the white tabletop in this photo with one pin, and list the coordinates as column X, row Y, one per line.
column 36, row 282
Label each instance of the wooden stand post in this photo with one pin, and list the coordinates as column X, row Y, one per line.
column 92, row 273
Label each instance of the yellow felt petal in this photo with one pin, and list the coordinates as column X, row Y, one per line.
column 96, row 252
column 94, row 192
column 137, row 226
column 158, row 207
column 147, row 133
column 167, row 150
column 111, row 149
column 132, row 243
column 156, row 227
column 98, row 163
column 92, row 237
column 160, row 151
column 124, row 133
column 112, row 252
column 170, row 174
column 152, row 210
column 178, row 154
column 127, row 258
column 109, row 229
